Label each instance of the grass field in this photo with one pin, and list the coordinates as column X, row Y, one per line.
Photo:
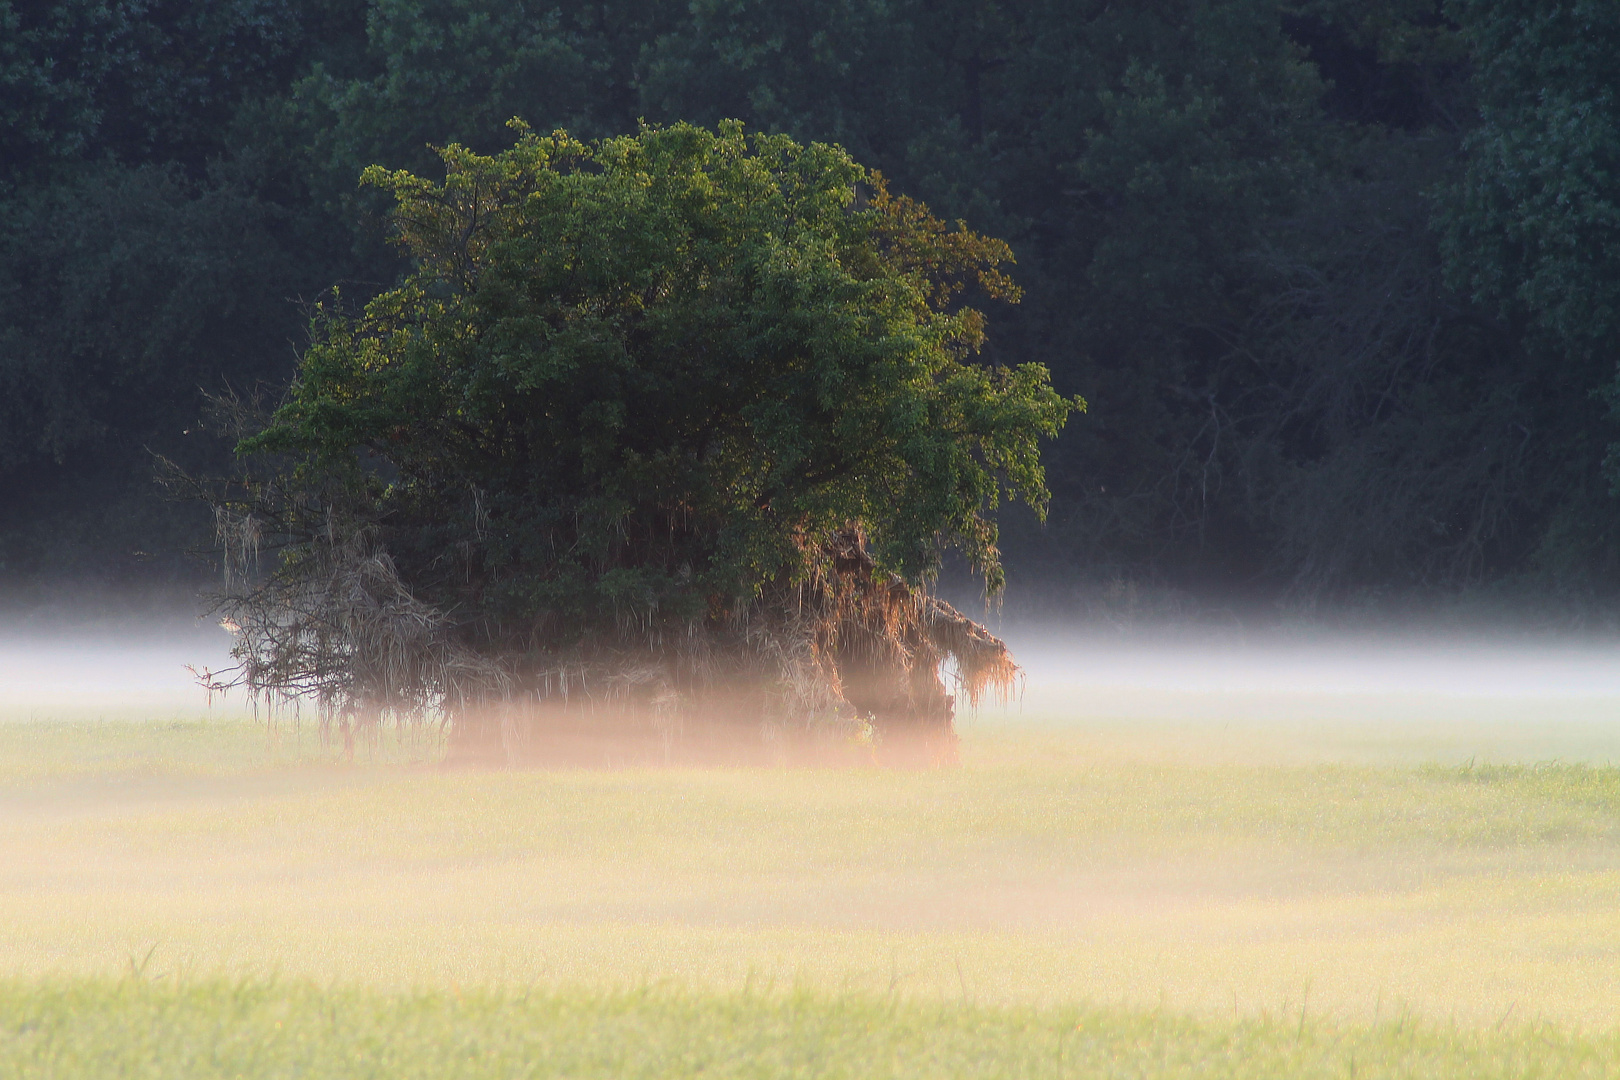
column 215, row 1029
column 1088, row 899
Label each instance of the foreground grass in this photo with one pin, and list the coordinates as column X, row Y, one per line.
column 1044, row 872
column 129, row 1028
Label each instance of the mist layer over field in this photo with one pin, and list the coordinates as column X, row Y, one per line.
column 124, row 669
column 1365, row 697
column 1307, row 698
column 1357, row 828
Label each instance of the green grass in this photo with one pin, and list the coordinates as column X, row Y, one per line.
column 36, row 752
column 1082, row 899
column 214, row 1029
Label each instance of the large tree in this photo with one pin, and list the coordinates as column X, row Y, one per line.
column 699, row 405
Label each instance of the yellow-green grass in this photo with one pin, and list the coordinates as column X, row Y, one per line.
column 254, row 1029
column 1183, row 894
column 1044, row 870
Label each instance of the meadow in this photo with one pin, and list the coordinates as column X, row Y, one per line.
column 1221, row 884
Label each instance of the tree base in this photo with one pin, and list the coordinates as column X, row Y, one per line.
column 622, row 742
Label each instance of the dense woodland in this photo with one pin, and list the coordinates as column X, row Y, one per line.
column 1340, row 281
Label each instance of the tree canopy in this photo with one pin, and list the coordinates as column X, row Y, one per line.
column 692, row 411
column 647, row 377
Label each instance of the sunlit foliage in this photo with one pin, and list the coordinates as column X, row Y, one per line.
column 647, row 375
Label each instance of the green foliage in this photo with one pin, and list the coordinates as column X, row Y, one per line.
column 648, row 376
column 136, row 79
column 1204, row 197
column 1532, row 228
column 122, row 293
column 140, row 261
column 429, row 74
column 1537, row 225
column 1128, row 153
column 106, row 284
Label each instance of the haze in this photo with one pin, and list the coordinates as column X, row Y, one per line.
column 1218, row 824
column 110, row 671
column 1544, row 684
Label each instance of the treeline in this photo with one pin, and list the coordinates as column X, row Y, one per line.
column 1340, row 279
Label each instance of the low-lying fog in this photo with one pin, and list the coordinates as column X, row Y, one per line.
column 1441, row 695
column 1321, row 664
column 121, row 670
column 1390, row 698
column 1117, row 834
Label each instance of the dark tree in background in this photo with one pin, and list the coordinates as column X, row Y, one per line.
column 1337, row 278
column 147, row 251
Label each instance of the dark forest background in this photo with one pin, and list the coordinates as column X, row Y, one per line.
column 1340, row 279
